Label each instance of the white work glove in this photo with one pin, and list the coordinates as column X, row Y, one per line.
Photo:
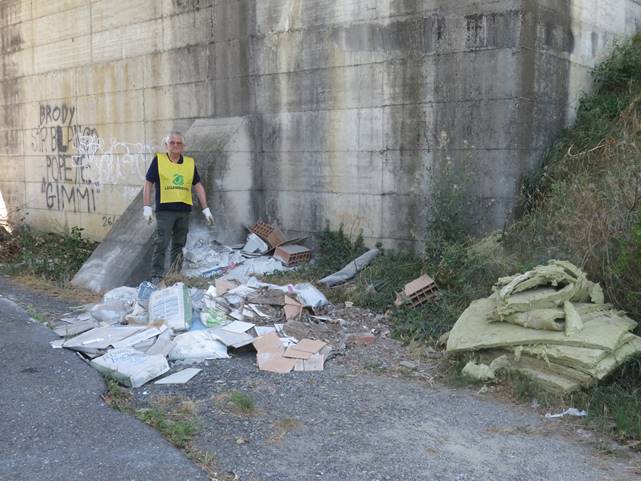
column 147, row 213
column 208, row 217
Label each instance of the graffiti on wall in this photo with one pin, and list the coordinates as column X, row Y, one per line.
column 78, row 162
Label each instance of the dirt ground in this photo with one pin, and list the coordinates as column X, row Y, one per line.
column 377, row 412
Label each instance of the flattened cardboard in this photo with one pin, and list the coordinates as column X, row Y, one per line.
column 222, row 286
column 305, row 349
column 269, row 343
column 315, row 363
column 294, row 353
column 310, row 345
column 274, row 362
column 293, row 309
column 238, row 326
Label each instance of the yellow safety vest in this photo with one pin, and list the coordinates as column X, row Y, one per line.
column 175, row 179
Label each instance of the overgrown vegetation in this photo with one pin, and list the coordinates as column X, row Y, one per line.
column 52, row 256
column 584, row 204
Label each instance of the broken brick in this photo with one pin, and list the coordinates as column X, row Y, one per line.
column 362, row 339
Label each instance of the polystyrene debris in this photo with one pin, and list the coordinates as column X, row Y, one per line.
column 568, row 412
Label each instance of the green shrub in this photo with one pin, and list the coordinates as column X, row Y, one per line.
column 56, row 257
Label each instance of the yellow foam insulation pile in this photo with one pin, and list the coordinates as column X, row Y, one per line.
column 550, row 324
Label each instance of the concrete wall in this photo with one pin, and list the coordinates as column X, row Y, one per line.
column 325, row 111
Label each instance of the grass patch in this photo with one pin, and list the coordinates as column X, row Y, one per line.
column 584, row 204
column 35, row 314
column 237, row 402
column 284, row 426
column 175, row 417
column 63, row 291
column 180, row 431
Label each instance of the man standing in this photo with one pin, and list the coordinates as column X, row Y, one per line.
column 173, row 175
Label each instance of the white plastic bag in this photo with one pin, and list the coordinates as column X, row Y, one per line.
column 111, row 313
column 197, row 346
column 126, row 295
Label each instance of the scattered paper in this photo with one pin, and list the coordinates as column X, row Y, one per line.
column 232, row 339
column 262, row 330
column 238, row 326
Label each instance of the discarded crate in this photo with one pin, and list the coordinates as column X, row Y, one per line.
column 292, row 255
column 417, row 292
column 273, row 235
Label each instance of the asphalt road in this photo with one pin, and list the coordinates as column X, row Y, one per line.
column 54, row 425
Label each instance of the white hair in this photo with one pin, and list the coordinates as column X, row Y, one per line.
column 172, row 134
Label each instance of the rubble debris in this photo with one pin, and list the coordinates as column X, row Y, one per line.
column 236, row 310
column 131, row 367
column 417, row 292
column 292, row 254
column 273, row 235
column 552, row 325
column 351, row 269
column 180, row 377
column 360, row 338
column 255, row 244
column 256, row 266
column 98, row 340
column 408, row 365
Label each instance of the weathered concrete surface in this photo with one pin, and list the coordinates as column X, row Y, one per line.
column 123, row 257
column 356, row 111
column 55, row 426
column 224, row 157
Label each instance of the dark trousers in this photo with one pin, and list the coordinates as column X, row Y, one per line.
column 169, row 226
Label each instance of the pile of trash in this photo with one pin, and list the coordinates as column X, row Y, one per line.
column 135, row 333
column 265, row 251
column 550, row 324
